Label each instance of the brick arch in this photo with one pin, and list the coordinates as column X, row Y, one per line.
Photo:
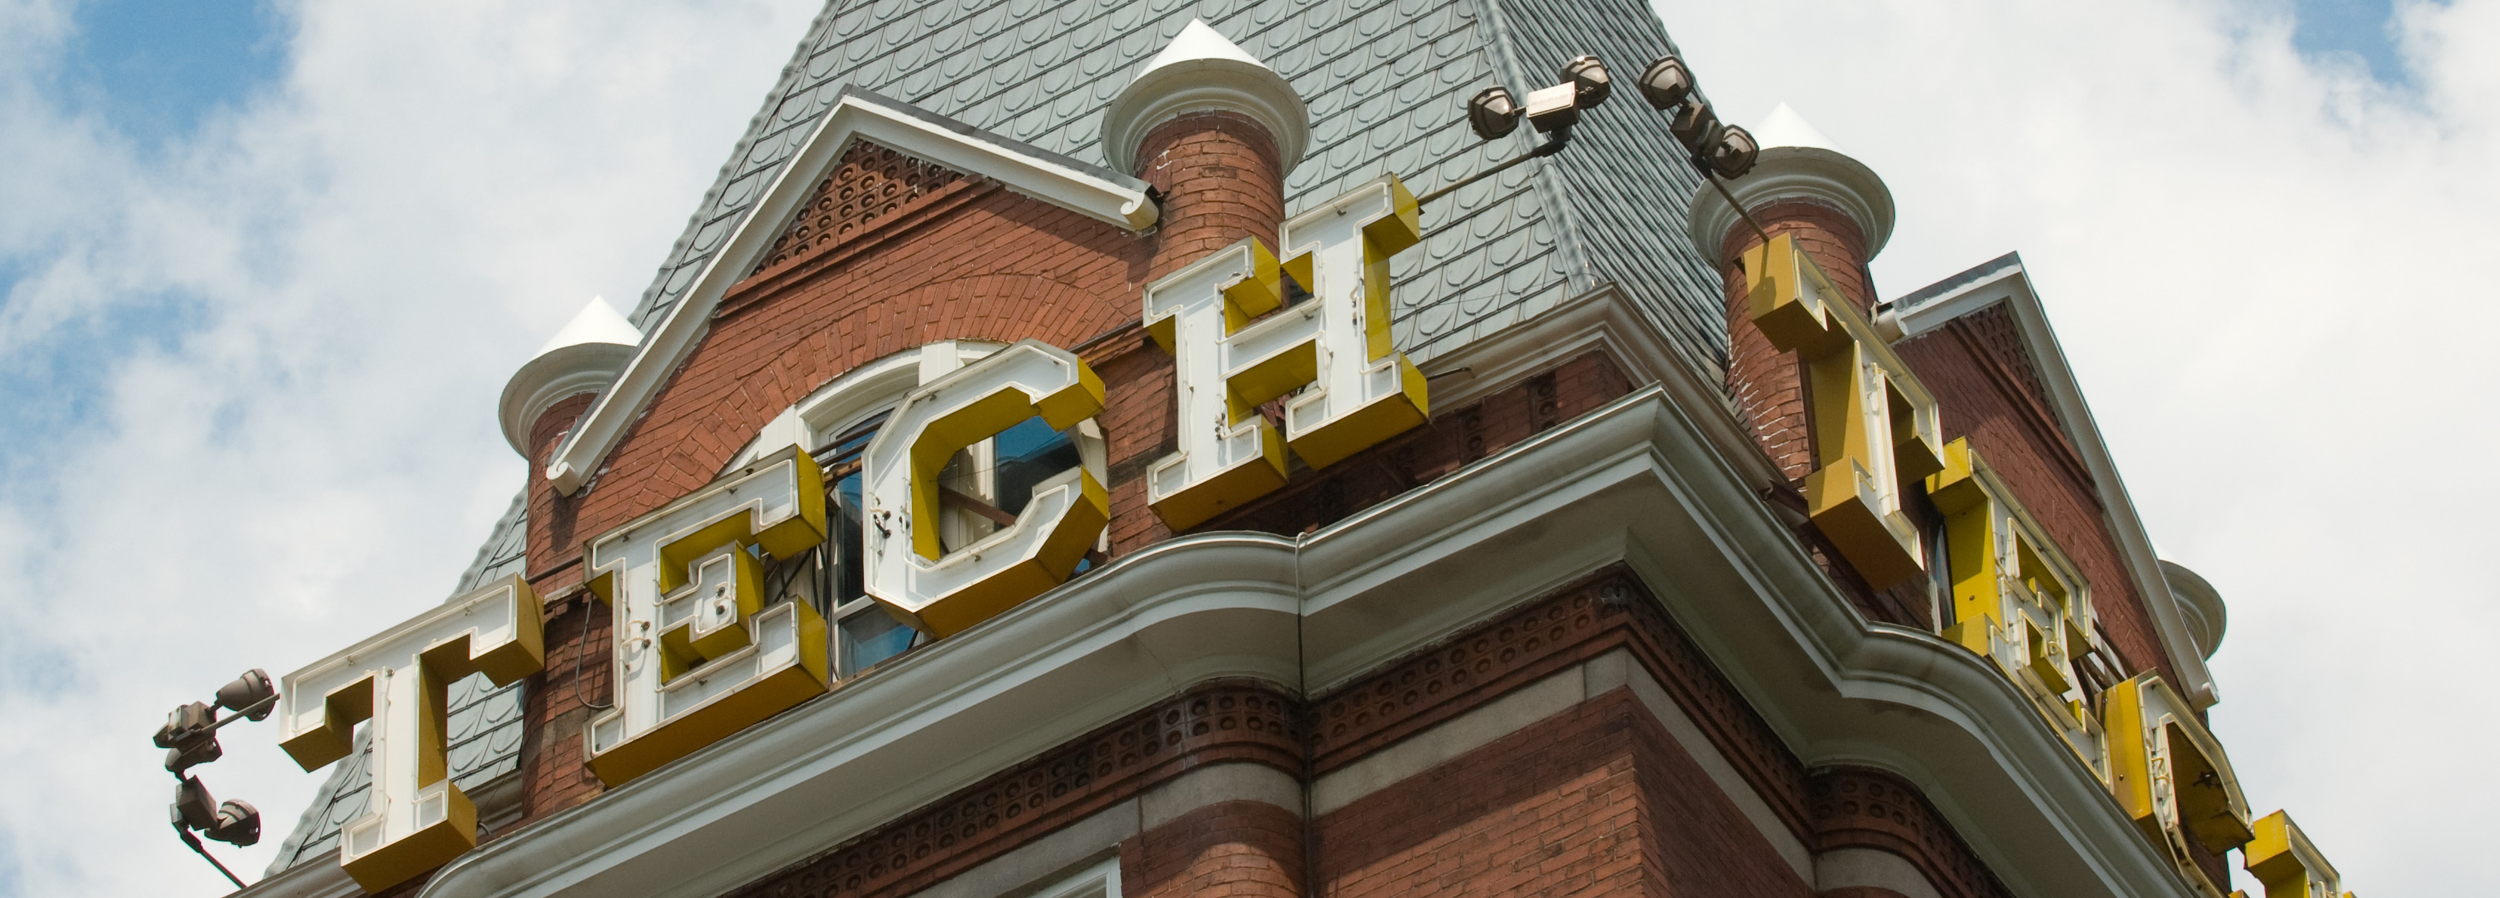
column 966, row 260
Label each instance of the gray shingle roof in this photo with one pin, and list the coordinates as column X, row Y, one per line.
column 1386, row 82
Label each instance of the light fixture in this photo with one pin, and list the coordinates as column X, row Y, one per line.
column 189, row 737
column 1554, row 108
column 1590, row 83
column 233, row 822
column 1695, row 126
column 249, row 695
column 1492, row 113
column 1734, row 153
column 1666, row 82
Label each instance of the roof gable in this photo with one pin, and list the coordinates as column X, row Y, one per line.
column 856, row 115
column 870, row 183
column 2001, row 285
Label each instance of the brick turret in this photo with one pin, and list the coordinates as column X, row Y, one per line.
column 1215, row 131
column 1840, row 213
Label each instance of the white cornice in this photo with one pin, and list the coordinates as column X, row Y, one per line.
column 1086, row 189
column 1203, row 72
column 2003, row 280
column 319, row 876
column 1824, row 176
column 1637, row 481
column 2200, row 605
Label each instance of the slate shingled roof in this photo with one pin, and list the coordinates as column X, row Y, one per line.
column 1386, row 82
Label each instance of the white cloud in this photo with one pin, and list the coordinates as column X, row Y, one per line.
column 357, row 257
column 2265, row 272
column 2262, row 267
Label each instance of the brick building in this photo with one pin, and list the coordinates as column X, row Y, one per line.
column 1065, row 456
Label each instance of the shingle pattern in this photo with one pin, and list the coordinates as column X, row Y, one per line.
column 1386, row 82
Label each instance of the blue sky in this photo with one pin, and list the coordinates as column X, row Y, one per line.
column 265, row 268
column 2357, row 27
column 154, row 69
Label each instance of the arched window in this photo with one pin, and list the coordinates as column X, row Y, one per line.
column 982, row 489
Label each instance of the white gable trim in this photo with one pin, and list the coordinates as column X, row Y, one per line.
column 2004, row 281
column 1095, row 192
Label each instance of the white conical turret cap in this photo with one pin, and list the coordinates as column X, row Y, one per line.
column 1198, row 40
column 1201, row 71
column 1785, row 128
column 582, row 358
column 597, row 322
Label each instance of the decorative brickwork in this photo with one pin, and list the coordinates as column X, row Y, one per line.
column 1216, row 722
column 1861, row 808
column 870, row 182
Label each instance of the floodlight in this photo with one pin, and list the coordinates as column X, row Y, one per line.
column 1590, row 83
column 1666, row 82
column 249, row 694
column 1554, row 108
column 1695, row 126
column 238, row 823
column 1492, row 113
column 233, row 822
column 1734, row 154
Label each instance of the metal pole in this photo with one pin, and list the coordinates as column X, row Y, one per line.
column 194, row 842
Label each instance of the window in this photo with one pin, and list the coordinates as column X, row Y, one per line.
column 984, row 488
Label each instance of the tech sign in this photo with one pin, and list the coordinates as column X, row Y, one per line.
column 703, row 647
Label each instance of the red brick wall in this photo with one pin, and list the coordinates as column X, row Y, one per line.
column 980, row 263
column 553, row 533
column 560, row 700
column 1454, row 438
column 1597, row 800
column 1250, row 849
column 1220, row 180
column 1986, row 400
column 1764, row 380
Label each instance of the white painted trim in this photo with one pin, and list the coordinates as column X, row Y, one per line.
column 2010, row 285
column 1095, row 192
column 319, row 876
column 1636, row 482
column 1825, row 176
column 557, row 375
column 1845, row 867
